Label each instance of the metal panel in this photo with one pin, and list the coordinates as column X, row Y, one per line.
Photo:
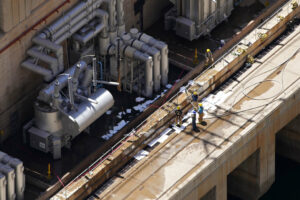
column 88, row 112
column 39, row 139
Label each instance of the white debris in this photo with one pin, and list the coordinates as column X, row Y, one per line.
column 108, row 112
column 143, row 106
column 128, row 110
column 139, row 99
column 169, row 86
column 161, row 138
column 141, row 154
column 116, row 128
column 120, row 115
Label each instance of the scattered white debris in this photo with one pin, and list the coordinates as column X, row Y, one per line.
column 139, row 99
column 128, row 110
column 120, row 115
column 211, row 103
column 141, row 154
column 143, row 106
column 108, row 112
column 161, row 138
column 118, row 127
column 169, row 86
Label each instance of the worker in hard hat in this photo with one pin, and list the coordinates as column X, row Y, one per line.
column 201, row 113
column 195, row 99
column 178, row 119
column 194, row 114
column 209, row 59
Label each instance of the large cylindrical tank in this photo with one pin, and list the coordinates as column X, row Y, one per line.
column 88, row 111
column 46, row 118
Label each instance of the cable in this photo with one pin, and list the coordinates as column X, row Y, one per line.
column 274, row 96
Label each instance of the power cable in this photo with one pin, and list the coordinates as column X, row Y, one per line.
column 274, row 96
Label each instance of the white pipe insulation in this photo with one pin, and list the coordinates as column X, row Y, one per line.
column 151, row 51
column 163, row 47
column 60, row 30
column 131, row 52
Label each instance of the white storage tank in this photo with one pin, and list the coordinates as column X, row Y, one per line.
column 192, row 18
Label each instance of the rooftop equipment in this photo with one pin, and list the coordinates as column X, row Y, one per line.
column 191, row 19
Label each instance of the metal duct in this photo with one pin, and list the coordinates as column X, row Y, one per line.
column 45, row 95
column 163, row 47
column 88, row 112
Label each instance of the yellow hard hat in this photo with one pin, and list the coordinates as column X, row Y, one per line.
column 195, row 93
column 207, row 50
column 178, row 107
column 200, row 104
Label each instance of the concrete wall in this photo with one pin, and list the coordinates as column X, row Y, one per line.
column 19, row 86
column 152, row 12
column 12, row 12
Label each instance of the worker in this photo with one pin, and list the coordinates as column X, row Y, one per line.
column 178, row 119
column 195, row 99
column 208, row 58
column 201, row 113
column 194, row 114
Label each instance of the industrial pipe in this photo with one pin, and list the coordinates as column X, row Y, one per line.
column 147, row 60
column 91, row 34
column 163, row 47
column 77, row 10
column 120, row 17
column 111, row 11
column 151, row 51
column 53, row 62
column 57, row 49
column 38, row 69
column 45, row 95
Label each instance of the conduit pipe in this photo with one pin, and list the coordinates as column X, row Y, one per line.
column 151, row 51
column 163, row 47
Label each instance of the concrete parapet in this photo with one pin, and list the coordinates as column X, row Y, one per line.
column 288, row 141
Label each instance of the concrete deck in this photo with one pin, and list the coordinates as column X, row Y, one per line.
column 238, row 141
